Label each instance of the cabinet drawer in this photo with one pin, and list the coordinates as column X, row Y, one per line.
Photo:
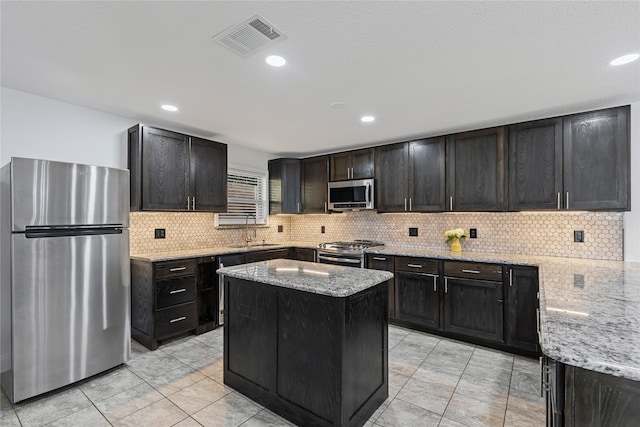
column 266, row 255
column 381, row 262
column 175, row 320
column 417, row 265
column 472, row 270
column 182, row 267
column 174, row 291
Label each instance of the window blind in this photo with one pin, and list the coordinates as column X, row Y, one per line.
column 246, row 196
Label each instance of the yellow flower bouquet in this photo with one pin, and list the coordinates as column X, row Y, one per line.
column 457, row 233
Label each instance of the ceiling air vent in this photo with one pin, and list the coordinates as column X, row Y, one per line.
column 250, row 35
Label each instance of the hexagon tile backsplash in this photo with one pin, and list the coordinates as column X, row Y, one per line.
column 535, row 233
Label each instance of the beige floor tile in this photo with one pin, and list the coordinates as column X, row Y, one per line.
column 266, row 418
column 493, row 392
column 162, row 413
column 188, row 422
column 128, row 402
column 429, row 396
column 530, row 406
column 433, row 374
column 52, row 407
column 112, row 383
column 176, row 380
column 473, row 412
column 401, row 413
column 89, row 416
column 197, row 396
column 232, row 410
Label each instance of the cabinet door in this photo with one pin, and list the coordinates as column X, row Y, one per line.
column 208, row 175
column 266, row 255
column 251, row 319
column 386, row 263
column 522, row 302
column 165, row 170
column 302, row 254
column 418, row 298
column 392, row 179
column 362, row 164
column 596, row 160
column 315, row 176
column 473, row 308
column 476, row 170
column 535, row 165
column 284, row 186
column 340, row 166
column 426, row 189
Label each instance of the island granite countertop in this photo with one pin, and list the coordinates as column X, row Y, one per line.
column 589, row 309
column 323, row 279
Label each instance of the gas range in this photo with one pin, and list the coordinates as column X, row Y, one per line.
column 345, row 253
column 354, row 247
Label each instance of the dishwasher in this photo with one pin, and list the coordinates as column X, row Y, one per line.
column 225, row 261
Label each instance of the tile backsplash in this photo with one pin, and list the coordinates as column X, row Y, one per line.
column 535, row 233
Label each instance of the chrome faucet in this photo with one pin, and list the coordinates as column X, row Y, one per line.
column 248, row 238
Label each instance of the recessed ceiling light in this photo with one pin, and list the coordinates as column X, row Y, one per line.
column 276, row 61
column 171, row 108
column 367, row 119
column 625, row 59
column 337, row 105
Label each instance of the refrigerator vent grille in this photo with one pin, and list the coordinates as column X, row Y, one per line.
column 250, row 35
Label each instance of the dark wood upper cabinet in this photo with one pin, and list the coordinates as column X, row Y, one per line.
column 171, row 171
column 392, row 164
column 356, row 164
column 208, row 175
column 411, row 176
column 596, row 160
column 284, row 186
column 476, row 170
column 535, row 165
column 427, row 191
column 315, row 177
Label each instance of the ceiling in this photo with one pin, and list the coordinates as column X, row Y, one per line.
column 421, row 68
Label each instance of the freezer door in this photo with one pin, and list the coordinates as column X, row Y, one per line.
column 44, row 192
column 71, row 309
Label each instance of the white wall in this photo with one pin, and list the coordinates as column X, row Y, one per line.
column 632, row 218
column 41, row 128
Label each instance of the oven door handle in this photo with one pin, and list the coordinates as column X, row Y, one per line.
column 347, row 260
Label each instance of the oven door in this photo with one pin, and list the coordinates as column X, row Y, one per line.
column 340, row 259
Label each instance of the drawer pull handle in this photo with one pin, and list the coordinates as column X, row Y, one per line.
column 379, row 258
column 471, row 271
column 177, row 291
column 414, row 265
column 179, row 319
column 178, row 269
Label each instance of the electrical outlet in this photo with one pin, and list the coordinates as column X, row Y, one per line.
column 578, row 236
column 159, row 233
column 413, row 231
column 322, row 229
column 280, row 229
column 473, row 233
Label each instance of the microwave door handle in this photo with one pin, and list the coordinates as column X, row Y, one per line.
column 366, row 193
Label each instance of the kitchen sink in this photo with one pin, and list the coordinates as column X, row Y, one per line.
column 257, row 245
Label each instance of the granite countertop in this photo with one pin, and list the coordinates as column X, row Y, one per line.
column 324, row 279
column 589, row 309
column 217, row 250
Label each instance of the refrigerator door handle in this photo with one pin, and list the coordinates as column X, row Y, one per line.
column 88, row 230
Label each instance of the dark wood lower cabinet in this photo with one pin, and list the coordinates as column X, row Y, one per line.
column 579, row 397
column 314, row 359
column 386, row 263
column 522, row 305
column 418, row 299
column 474, row 308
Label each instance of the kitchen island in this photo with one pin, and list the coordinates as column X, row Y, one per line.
column 306, row 340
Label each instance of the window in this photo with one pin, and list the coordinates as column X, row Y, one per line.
column 246, row 196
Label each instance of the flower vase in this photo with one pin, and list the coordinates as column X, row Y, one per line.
column 455, row 245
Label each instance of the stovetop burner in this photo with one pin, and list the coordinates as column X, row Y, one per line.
column 354, row 246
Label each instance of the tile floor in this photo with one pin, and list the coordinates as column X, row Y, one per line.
column 432, row 382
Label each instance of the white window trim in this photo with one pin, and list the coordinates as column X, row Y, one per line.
column 225, row 220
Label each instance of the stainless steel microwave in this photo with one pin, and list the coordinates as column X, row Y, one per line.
column 351, row 195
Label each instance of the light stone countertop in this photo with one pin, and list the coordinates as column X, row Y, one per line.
column 217, row 250
column 589, row 309
column 323, row 279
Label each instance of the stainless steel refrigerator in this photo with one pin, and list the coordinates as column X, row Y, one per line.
column 65, row 274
